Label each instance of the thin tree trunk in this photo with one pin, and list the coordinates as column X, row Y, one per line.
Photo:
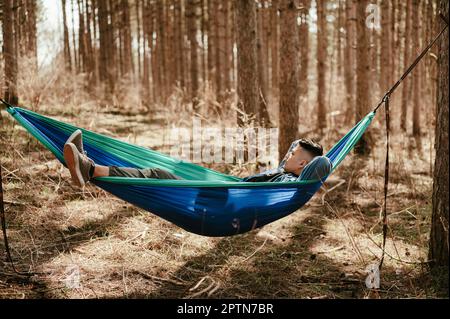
column 439, row 242
column 74, row 46
column 211, row 43
column 304, row 50
column 339, row 39
column 226, row 46
column 91, row 68
column 191, row 15
column 161, row 43
column 146, row 20
column 406, row 60
column 247, row 86
column 385, row 46
column 349, row 60
column 288, row 76
column 393, row 53
column 81, row 38
column 274, row 22
column 179, row 51
column 204, row 11
column 138, row 38
column 321, row 65
column 127, row 40
column 363, row 147
column 262, row 80
column 32, row 30
column 218, row 47
column 67, row 58
column 8, row 54
column 416, row 78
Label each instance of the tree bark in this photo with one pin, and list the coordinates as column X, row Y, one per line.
column 304, row 49
column 288, row 85
column 67, row 58
column 247, row 86
column 416, row 100
column 321, row 65
column 406, row 60
column 191, row 15
column 439, row 244
column 274, row 21
column 74, row 46
column 32, row 30
column 262, row 80
column 211, row 44
column 385, row 46
column 138, row 38
column 9, row 54
column 362, row 70
column 127, row 40
column 218, row 47
column 349, row 60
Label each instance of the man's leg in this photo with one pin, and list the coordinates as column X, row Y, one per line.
column 157, row 173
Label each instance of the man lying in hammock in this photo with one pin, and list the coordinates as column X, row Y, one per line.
column 303, row 161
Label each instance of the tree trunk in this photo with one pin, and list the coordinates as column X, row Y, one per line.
column 406, row 60
column 439, row 245
column 138, row 38
column 274, row 21
column 226, row 46
column 288, row 76
column 81, row 38
column 211, row 37
column 191, row 15
column 321, row 66
column 304, row 49
column 349, row 60
column 146, row 20
column 264, row 119
column 385, row 46
column 8, row 54
column 67, row 58
column 247, row 86
column 218, row 47
column 362, row 70
column 91, row 64
column 179, row 50
column 416, row 77
column 339, row 39
column 74, row 46
column 127, row 40
column 32, row 30
column 394, row 48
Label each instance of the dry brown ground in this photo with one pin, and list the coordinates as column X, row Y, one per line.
column 320, row 251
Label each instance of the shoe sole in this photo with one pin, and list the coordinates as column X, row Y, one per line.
column 73, row 164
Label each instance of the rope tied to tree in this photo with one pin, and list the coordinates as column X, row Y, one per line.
column 386, row 177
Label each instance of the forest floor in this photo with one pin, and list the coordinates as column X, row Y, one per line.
column 119, row 251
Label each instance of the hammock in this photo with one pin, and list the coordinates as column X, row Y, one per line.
column 206, row 202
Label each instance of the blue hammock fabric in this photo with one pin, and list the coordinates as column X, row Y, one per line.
column 206, row 202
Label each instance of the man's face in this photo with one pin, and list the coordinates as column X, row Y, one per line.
column 297, row 160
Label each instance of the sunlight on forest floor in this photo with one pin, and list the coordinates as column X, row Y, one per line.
column 118, row 250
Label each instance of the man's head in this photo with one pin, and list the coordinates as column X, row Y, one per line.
column 301, row 155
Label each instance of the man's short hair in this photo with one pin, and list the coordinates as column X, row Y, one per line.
column 311, row 146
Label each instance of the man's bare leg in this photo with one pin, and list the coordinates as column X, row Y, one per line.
column 101, row 171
